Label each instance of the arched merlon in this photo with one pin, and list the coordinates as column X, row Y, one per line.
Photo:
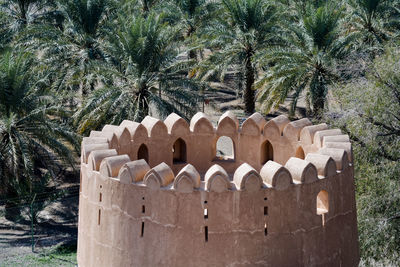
column 159, row 176
column 110, row 166
column 109, row 128
column 342, row 145
column 325, row 165
column 301, row 170
column 133, row 172
column 276, row 176
column 155, row 127
column 307, row 133
column 273, row 129
column 176, row 125
column 187, row 179
column 281, row 121
column 96, row 157
column 95, row 134
column 339, row 156
column 87, row 149
column 336, row 138
column 121, row 140
column 201, row 124
column 318, row 136
column 247, row 178
column 228, row 124
column 94, row 140
column 292, row 130
column 108, row 135
column 253, row 125
column 114, row 142
column 217, row 179
column 137, row 131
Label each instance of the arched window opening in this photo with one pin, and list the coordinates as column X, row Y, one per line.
column 143, row 153
column 225, row 149
column 267, row 152
column 300, row 153
column 179, row 151
column 322, row 204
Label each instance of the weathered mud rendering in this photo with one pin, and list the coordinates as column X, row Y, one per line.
column 156, row 194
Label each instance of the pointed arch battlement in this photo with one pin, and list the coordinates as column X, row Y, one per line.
column 160, row 182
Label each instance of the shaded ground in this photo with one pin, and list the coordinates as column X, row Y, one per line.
column 54, row 237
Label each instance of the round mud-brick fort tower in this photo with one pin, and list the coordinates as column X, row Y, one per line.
column 157, row 194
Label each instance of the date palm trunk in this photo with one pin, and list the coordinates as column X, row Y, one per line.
column 249, row 94
column 143, row 102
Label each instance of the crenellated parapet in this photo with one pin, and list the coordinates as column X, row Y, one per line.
column 284, row 180
column 255, row 142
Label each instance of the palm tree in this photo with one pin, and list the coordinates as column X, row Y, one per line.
column 5, row 32
column 244, row 28
column 33, row 141
column 74, row 51
column 26, row 12
column 376, row 21
column 146, row 73
column 190, row 15
column 306, row 60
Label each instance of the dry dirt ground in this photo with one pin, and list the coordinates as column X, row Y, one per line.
column 54, row 240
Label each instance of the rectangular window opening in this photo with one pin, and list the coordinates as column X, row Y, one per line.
column 205, row 213
column 265, row 230
column 100, row 197
column 98, row 219
column 142, row 232
column 265, row 210
column 143, row 209
column 206, row 233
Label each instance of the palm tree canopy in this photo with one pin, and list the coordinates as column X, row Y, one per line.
column 31, row 136
column 375, row 20
column 306, row 59
column 147, row 73
column 242, row 30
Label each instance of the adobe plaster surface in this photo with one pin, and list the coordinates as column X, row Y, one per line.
column 156, row 194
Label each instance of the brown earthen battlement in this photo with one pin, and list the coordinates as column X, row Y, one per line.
column 285, row 192
column 307, row 152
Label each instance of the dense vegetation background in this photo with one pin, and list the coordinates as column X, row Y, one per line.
column 70, row 66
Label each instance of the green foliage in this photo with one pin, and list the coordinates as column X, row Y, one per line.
column 85, row 63
column 63, row 255
column 73, row 51
column 147, row 74
column 305, row 60
column 375, row 21
column 242, row 30
column 33, row 142
column 370, row 112
column 21, row 13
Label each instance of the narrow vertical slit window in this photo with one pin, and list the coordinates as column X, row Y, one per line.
column 323, row 205
column 265, row 229
column 206, row 233
column 143, row 209
column 265, row 210
column 142, row 230
column 267, row 152
column 179, row 151
column 98, row 219
column 143, row 153
column 205, row 213
column 100, row 197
